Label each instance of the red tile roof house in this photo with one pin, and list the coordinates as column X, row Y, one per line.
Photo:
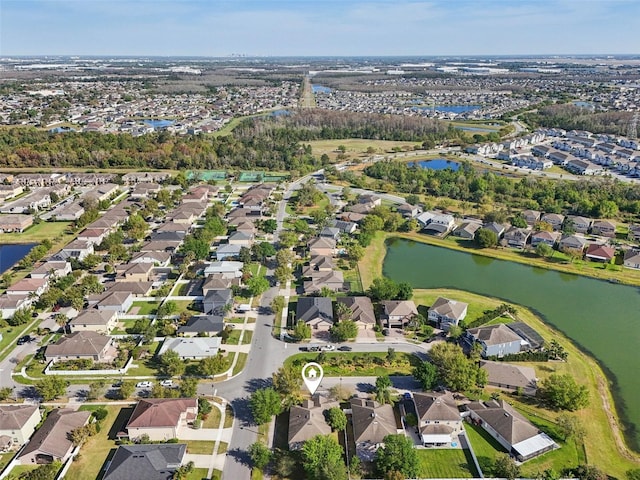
column 161, row 418
column 51, row 441
column 600, row 253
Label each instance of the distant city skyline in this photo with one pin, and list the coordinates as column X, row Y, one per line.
column 318, row 28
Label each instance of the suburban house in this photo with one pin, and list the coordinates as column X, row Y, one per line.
column 28, row 286
column 550, row 238
column 307, row 420
column 634, row 232
column 445, row 313
column 398, row 313
column 135, row 272
column 319, row 263
column 516, row 237
column 371, row 423
column 161, row 418
column 495, row 227
column 322, row 246
column 600, row 253
column 317, row 312
column 10, row 304
column 408, row 211
column 81, row 345
column 216, row 282
column 120, row 302
column 94, row 320
column 467, row 230
column 330, row 232
column 242, row 239
column 361, row 311
column 439, row 419
column 440, row 224
column 218, row 301
column 148, row 462
column 580, row 224
column 51, row 269
column 137, row 289
column 513, row 431
column 15, row 223
column 632, row 259
column 510, row 377
column 333, row 280
column 604, row 228
column 78, row 249
column 554, row 219
column 531, row 216
column 18, row 422
column 93, row 235
column 226, row 268
column 572, row 242
column 344, row 226
column 51, row 441
column 227, row 251
column 496, row 340
column 192, row 348
column 202, row 325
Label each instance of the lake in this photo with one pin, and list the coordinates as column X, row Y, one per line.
column 11, row 254
column 436, row 164
column 477, row 129
column 320, row 89
column 601, row 317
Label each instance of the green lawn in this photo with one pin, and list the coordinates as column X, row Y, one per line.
column 10, row 334
column 228, row 417
column 241, row 362
column 213, row 418
column 144, row 308
column 222, row 447
column 355, row 364
column 235, row 320
column 198, row 474
column 444, row 463
column 36, row 233
column 201, row 447
column 94, row 453
column 246, row 338
column 185, row 306
column 234, row 337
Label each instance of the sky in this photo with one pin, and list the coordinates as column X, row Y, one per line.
column 220, row 28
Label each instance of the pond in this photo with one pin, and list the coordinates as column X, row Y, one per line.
column 159, row 123
column 320, row 89
column 436, row 164
column 601, row 317
column 11, row 254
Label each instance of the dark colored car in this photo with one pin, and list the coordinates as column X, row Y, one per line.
column 345, row 348
column 25, row 339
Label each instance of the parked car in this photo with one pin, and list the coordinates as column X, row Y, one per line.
column 345, row 348
column 166, row 383
column 144, row 384
column 327, row 348
column 406, row 396
column 117, row 384
column 314, row 349
column 25, row 339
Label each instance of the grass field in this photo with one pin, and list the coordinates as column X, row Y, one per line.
column 200, row 447
column 354, row 364
column 94, row 453
column 240, row 363
column 36, row 233
column 444, row 463
column 144, row 308
column 197, row 474
column 357, row 147
column 477, row 303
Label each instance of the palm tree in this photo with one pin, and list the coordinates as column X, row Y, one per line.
column 343, row 311
column 61, row 319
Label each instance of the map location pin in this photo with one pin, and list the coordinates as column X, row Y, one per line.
column 312, row 375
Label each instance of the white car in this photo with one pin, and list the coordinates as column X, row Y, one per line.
column 166, row 383
column 144, row 384
column 327, row 348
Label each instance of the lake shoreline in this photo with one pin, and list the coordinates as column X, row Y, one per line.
column 604, row 385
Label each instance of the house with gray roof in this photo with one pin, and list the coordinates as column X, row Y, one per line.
column 495, row 227
column 510, row 377
column 330, row 232
column 202, row 324
column 308, row 420
column 604, row 228
column 18, row 422
column 516, row 237
column 514, row 432
column 531, row 216
column 333, row 280
column 216, row 301
column 496, row 340
column 99, row 321
column 397, row 313
column 81, row 345
column 554, row 219
column 467, row 230
column 371, row 423
column 439, row 420
column 445, row 313
column 572, row 242
column 227, row 250
column 148, row 462
column 317, row 312
column 580, row 224
column 192, row 348
column 632, row 259
column 550, row 238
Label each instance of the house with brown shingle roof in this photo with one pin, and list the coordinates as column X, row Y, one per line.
column 307, row 420
column 51, row 441
column 94, row 320
column 445, row 312
column 371, row 423
column 513, row 431
column 361, row 311
column 604, row 228
column 439, row 420
column 161, row 418
column 554, row 219
column 18, row 422
column 510, row 377
column 398, row 313
column 81, row 345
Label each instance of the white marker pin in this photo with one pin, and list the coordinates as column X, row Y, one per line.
column 312, row 375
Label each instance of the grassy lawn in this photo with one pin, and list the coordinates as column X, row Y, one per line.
column 201, row 447
column 185, row 306
column 356, row 147
column 235, row 320
column 228, row 417
column 10, row 334
column 240, row 363
column 144, row 308
column 36, row 233
column 234, row 337
column 213, row 418
column 223, row 447
column 217, row 475
column 444, row 463
column 353, row 277
column 94, row 453
column 198, row 474
column 246, row 338
column 350, row 364
column 20, row 469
